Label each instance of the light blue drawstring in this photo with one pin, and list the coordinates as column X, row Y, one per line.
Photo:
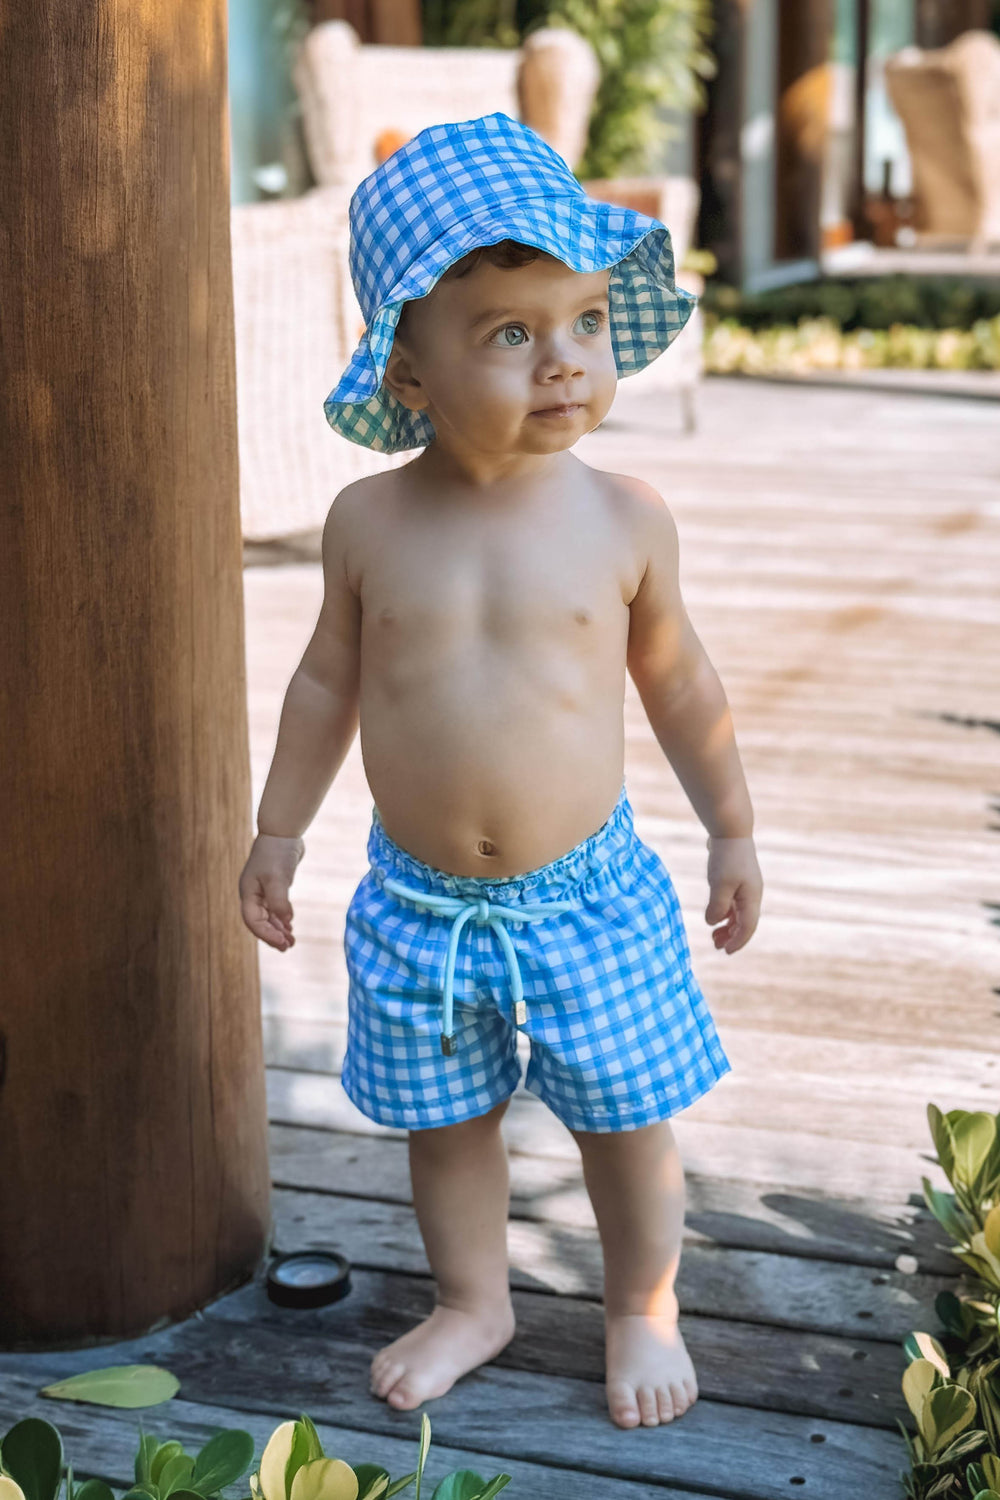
column 484, row 912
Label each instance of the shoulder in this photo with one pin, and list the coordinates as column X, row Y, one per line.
column 646, row 518
column 348, row 523
column 633, row 497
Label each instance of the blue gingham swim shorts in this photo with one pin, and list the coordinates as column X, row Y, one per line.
column 587, row 956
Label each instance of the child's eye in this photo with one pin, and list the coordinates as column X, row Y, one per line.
column 592, row 312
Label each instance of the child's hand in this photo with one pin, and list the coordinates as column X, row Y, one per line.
column 735, row 884
column 264, row 884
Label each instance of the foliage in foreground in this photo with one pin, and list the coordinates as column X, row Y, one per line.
column 952, row 1383
column 293, row 1466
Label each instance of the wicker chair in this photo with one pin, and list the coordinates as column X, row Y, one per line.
column 297, row 318
column 948, row 99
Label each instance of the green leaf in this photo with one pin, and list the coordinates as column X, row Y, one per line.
column 302, row 1451
column 372, row 1480
column 962, row 1447
column 943, row 1143
column 400, row 1484
column 991, row 1470
column 974, row 1478
column 974, row 1136
column 463, row 1484
column 33, row 1458
column 162, row 1457
column 991, row 1230
column 496, row 1484
column 224, row 1459
column 919, row 1379
column 945, row 1209
column 987, row 1495
column 126, row 1386
column 989, row 1409
column 94, row 1489
column 920, row 1345
column 425, row 1442
column 947, row 1412
column 147, row 1450
column 951, row 1313
column 315, row 1445
column 175, row 1474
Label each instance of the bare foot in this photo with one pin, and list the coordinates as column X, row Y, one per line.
column 427, row 1361
column 650, row 1377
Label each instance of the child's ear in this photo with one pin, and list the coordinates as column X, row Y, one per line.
column 401, row 380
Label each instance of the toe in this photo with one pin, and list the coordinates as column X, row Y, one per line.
column 691, row 1386
column 402, row 1395
column 621, row 1404
column 388, row 1374
column 680, row 1399
column 665, row 1404
column 646, row 1397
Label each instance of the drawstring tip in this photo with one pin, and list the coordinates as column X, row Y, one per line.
column 448, row 1046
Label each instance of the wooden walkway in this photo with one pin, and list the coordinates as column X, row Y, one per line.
column 840, row 552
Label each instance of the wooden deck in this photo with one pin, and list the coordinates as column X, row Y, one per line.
column 840, row 556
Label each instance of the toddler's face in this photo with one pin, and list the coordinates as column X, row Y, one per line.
column 483, row 353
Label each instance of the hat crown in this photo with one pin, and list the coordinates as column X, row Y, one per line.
column 446, row 174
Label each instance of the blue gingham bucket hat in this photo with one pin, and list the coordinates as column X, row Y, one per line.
column 454, row 187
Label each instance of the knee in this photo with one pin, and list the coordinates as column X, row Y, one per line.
column 655, row 1140
column 445, row 1138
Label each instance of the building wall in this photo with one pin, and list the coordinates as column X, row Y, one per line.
column 760, row 86
column 264, row 129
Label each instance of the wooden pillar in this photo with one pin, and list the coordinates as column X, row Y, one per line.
column 133, row 1127
column 862, row 36
column 392, row 23
column 804, row 81
column 719, row 142
column 941, row 21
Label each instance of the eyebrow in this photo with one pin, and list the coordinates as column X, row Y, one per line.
column 507, row 312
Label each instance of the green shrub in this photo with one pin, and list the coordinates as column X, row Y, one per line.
column 863, row 302
column 952, row 1383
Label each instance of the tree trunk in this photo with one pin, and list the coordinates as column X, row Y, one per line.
column 718, row 135
column 941, row 21
column 133, row 1127
column 804, row 82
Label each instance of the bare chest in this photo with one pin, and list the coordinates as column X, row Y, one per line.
column 440, row 584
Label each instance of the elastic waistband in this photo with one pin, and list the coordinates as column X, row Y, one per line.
column 557, row 877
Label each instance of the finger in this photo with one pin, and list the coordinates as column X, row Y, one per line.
column 720, row 905
column 261, row 922
column 267, row 934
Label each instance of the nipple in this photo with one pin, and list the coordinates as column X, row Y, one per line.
column 485, row 847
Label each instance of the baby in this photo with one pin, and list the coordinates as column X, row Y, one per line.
column 482, row 603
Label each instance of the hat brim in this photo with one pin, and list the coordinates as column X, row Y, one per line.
column 647, row 310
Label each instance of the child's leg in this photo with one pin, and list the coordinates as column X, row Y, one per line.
column 461, row 1194
column 636, row 1184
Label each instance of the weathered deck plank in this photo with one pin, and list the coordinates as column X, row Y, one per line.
column 734, row 1451
column 721, row 1211
column 101, row 1443
column 754, row 1286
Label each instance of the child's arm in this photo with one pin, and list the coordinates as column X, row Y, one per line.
column 319, row 719
column 689, row 713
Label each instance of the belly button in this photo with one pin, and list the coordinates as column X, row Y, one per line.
column 485, row 847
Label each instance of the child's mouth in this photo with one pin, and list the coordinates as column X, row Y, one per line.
column 557, row 411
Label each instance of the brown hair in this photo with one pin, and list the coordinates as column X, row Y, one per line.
column 507, row 254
